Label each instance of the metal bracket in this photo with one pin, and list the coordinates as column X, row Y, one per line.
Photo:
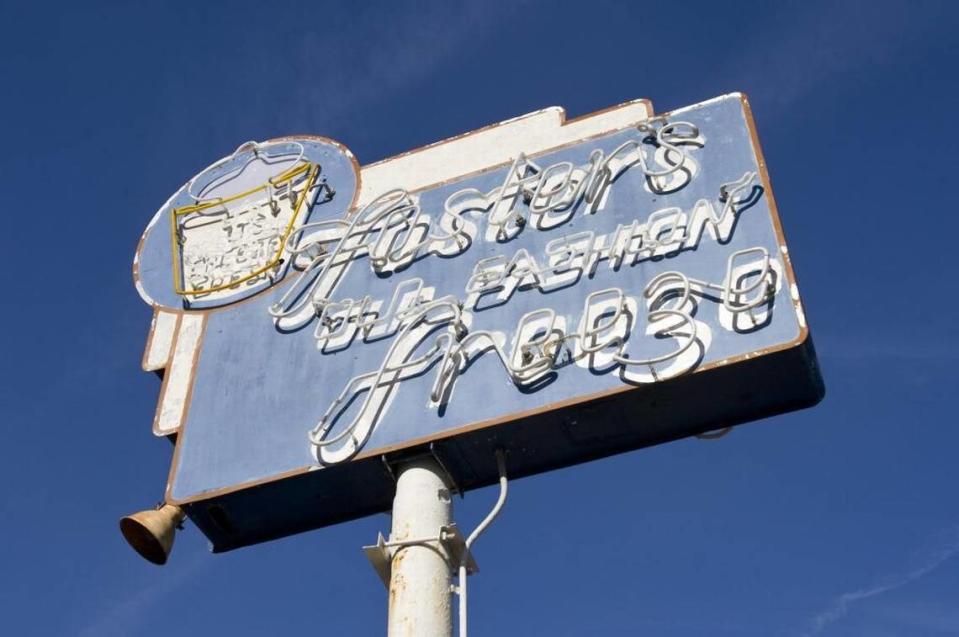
column 381, row 554
column 434, row 453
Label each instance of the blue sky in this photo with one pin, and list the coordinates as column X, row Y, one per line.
column 837, row 521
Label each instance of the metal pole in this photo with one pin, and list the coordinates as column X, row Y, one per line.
column 420, row 593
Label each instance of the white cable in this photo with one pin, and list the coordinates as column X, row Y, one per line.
column 252, row 147
column 461, row 576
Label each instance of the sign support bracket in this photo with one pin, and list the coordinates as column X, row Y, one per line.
column 381, row 554
column 434, row 452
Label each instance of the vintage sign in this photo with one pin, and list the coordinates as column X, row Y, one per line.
column 561, row 289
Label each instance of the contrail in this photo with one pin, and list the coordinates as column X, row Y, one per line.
column 925, row 564
column 122, row 616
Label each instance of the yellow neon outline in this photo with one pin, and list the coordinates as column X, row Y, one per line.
column 313, row 169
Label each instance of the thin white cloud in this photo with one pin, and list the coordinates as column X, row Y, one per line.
column 933, row 617
column 790, row 58
column 382, row 51
column 125, row 616
column 928, row 561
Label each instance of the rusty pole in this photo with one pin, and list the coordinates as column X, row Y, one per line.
column 420, row 579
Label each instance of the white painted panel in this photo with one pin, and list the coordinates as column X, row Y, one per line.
column 162, row 330
column 468, row 153
column 178, row 380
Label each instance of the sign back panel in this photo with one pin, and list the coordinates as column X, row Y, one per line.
column 627, row 285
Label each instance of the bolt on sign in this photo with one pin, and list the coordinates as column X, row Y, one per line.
column 563, row 289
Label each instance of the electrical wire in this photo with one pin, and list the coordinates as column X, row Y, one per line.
column 461, row 576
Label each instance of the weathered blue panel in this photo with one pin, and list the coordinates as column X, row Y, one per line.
column 258, row 390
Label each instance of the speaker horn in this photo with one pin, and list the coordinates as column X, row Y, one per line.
column 151, row 532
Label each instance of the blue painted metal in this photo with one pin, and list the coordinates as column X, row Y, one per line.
column 243, row 467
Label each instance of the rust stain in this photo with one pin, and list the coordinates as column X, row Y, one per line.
column 397, row 581
column 397, row 590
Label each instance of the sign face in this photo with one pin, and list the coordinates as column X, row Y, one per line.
column 563, row 290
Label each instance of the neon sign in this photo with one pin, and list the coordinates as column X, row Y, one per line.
column 394, row 230
column 561, row 289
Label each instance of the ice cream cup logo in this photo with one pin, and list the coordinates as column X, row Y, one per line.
column 244, row 209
